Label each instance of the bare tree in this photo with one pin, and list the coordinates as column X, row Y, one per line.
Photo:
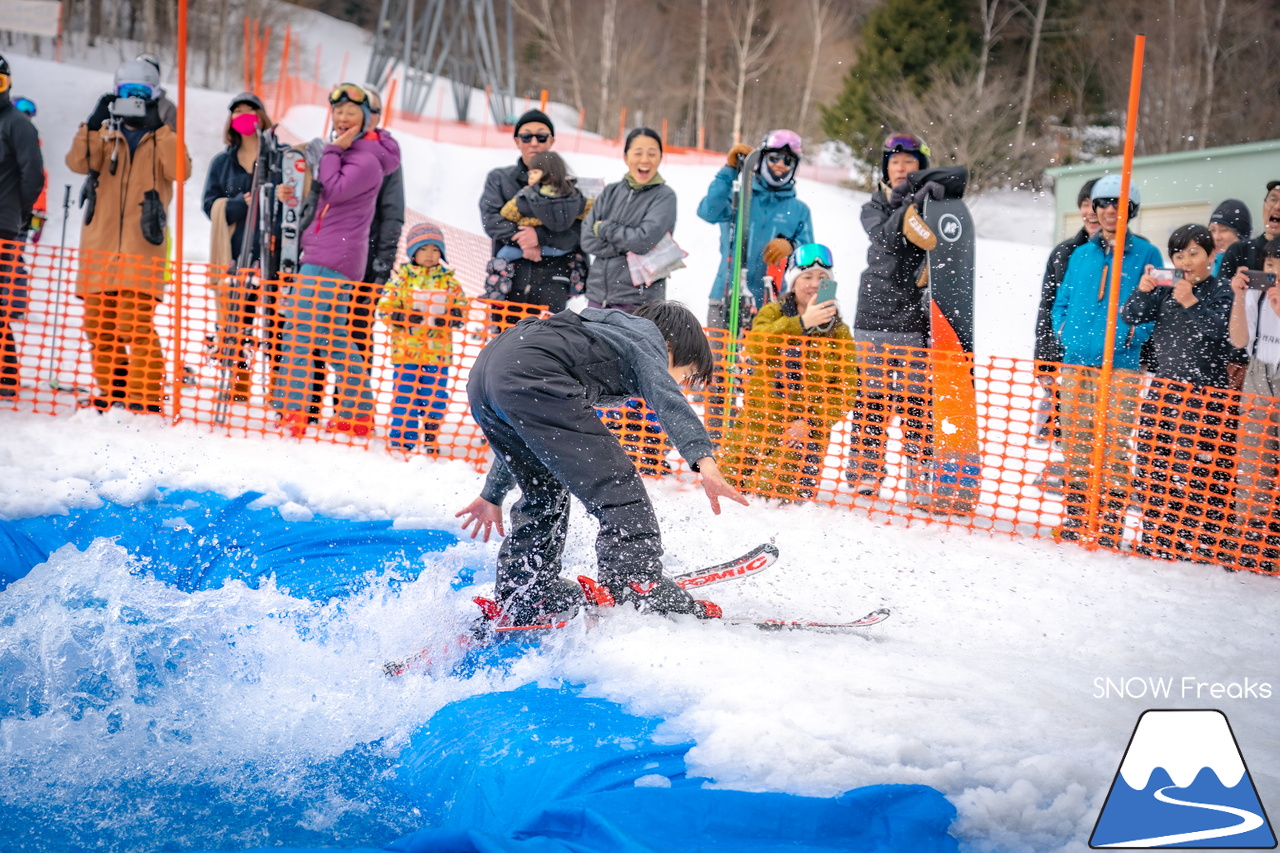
column 993, row 23
column 825, row 16
column 700, row 78
column 554, row 25
column 1210, row 35
column 606, row 58
column 1029, row 81
column 748, row 51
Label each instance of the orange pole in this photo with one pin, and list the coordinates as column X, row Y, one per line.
column 622, row 124
column 664, row 133
column 175, row 393
column 342, row 74
column 248, row 57
column 386, row 104
column 283, row 76
column 542, row 102
column 1094, row 495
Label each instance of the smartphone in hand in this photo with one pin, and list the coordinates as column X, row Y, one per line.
column 826, row 291
column 1166, row 276
column 1261, row 280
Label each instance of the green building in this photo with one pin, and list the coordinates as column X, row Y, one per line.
column 1177, row 188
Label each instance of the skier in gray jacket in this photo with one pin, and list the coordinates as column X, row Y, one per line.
column 631, row 215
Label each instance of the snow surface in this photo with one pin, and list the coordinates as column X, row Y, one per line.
column 988, row 683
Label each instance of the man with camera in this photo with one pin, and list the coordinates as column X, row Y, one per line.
column 130, row 156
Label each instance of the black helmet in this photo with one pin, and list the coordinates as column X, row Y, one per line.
column 905, row 143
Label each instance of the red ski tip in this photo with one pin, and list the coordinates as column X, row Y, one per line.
column 595, row 593
column 710, row 610
column 488, row 608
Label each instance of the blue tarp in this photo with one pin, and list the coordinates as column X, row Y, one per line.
column 196, row 541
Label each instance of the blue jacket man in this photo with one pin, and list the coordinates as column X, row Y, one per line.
column 775, row 213
column 1080, row 309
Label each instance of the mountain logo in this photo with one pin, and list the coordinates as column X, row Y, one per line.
column 950, row 228
column 1183, row 783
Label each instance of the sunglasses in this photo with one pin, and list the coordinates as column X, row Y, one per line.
column 135, row 90
column 529, row 137
column 1106, row 202
column 787, row 159
column 348, row 92
column 905, row 142
column 25, row 105
column 811, row 255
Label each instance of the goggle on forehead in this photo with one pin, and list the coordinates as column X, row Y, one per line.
column 906, row 142
column 348, row 92
column 811, row 255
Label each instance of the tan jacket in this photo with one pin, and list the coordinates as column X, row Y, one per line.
column 117, row 219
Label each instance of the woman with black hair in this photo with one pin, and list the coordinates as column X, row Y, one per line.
column 631, row 215
column 228, row 203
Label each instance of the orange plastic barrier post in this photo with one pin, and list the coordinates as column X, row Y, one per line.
column 1100, row 444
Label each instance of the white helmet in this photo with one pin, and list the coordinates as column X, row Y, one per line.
column 134, row 74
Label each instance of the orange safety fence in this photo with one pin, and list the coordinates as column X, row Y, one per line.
column 1187, row 473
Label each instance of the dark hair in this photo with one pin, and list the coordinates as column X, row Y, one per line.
column 1086, row 192
column 554, row 171
column 642, row 131
column 685, row 339
column 1188, row 234
column 1272, row 249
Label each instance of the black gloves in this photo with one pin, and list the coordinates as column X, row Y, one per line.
column 932, row 189
column 101, row 112
column 152, row 120
column 899, row 194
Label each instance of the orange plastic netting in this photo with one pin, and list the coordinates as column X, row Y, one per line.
column 907, row 436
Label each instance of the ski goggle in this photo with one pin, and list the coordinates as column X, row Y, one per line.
column 784, row 139
column 135, row 90
column 905, row 142
column 25, row 105
column 526, row 138
column 811, row 255
column 348, row 92
column 786, row 158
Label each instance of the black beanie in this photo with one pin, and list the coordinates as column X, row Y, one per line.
column 1234, row 214
column 534, row 115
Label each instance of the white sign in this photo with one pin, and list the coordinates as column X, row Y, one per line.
column 40, row 17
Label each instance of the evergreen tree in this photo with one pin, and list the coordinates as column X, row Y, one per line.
column 902, row 40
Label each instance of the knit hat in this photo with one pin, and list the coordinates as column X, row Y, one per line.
column 423, row 234
column 532, row 116
column 1234, row 214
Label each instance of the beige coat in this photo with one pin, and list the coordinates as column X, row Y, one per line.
column 117, row 220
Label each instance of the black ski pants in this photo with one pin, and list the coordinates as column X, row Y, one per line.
column 531, row 391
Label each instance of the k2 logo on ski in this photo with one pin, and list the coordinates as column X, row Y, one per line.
column 950, row 228
column 1183, row 783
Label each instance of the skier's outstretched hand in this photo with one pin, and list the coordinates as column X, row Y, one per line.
column 484, row 515
column 716, row 486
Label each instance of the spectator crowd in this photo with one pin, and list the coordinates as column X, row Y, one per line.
column 1184, row 423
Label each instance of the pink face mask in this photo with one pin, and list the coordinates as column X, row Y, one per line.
column 245, row 123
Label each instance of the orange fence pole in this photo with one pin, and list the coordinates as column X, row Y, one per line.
column 664, row 133
column 282, row 78
column 248, row 57
column 342, row 73
column 386, row 104
column 622, row 124
column 542, row 102
column 176, row 371
column 1099, row 462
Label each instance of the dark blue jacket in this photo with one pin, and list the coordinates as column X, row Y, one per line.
column 1189, row 344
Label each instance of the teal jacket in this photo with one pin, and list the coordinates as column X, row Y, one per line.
column 1080, row 310
column 775, row 212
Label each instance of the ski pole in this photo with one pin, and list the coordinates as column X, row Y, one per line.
column 56, row 360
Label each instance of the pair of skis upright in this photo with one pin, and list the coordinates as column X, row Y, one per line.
column 748, row 565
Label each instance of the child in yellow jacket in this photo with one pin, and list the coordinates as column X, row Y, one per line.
column 421, row 305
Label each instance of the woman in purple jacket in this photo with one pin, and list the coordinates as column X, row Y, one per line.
column 316, row 310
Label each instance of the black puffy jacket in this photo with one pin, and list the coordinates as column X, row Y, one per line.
column 889, row 299
column 21, row 169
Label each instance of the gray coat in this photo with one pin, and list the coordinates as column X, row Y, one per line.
column 631, row 220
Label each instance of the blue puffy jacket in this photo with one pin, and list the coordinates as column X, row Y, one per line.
column 775, row 212
column 1080, row 311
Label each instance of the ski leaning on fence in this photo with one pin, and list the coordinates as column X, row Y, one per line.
column 293, row 173
column 750, row 564
column 957, row 463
